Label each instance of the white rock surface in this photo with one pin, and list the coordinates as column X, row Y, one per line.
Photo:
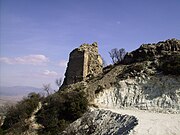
column 157, row 94
column 154, row 101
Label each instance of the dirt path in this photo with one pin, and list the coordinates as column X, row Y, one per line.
column 32, row 119
column 150, row 123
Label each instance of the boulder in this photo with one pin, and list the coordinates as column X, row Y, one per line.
column 101, row 122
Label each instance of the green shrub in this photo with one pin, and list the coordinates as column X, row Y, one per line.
column 1, row 131
column 57, row 112
column 21, row 111
column 61, row 109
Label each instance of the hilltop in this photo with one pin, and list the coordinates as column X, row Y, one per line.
column 128, row 97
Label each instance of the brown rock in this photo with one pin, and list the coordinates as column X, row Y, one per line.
column 153, row 51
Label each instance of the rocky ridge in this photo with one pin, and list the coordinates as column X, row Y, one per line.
column 101, row 122
column 153, row 51
column 143, row 85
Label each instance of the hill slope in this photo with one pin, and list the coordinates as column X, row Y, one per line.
column 145, row 87
column 140, row 95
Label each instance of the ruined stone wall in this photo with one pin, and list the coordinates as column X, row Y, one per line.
column 74, row 72
column 83, row 61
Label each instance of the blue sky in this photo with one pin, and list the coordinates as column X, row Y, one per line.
column 37, row 35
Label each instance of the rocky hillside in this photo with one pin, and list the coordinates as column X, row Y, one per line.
column 153, row 51
column 157, row 93
column 133, row 97
column 143, row 83
column 148, row 81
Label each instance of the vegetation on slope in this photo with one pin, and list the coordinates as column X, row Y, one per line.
column 61, row 109
column 170, row 64
column 58, row 110
column 16, row 115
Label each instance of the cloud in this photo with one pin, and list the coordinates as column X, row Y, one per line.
column 49, row 73
column 37, row 59
column 62, row 63
column 5, row 60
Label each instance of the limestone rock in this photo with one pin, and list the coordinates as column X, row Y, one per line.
column 153, row 51
column 157, row 93
column 83, row 62
column 101, row 122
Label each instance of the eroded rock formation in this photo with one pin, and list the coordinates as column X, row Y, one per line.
column 153, row 51
column 102, row 122
column 83, row 62
column 152, row 93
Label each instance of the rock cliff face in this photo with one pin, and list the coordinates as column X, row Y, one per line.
column 148, row 87
column 142, row 83
column 155, row 93
column 101, row 122
column 83, row 62
column 153, row 51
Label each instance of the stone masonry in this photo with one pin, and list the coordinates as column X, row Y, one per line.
column 83, row 62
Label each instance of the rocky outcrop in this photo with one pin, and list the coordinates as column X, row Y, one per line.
column 153, row 51
column 101, row 122
column 152, row 93
column 83, row 62
column 140, row 86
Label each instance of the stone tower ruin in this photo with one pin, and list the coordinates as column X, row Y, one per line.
column 83, row 62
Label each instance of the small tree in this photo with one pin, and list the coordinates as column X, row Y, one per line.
column 46, row 88
column 122, row 53
column 112, row 55
column 116, row 55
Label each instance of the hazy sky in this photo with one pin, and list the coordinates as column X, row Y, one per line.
column 36, row 36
